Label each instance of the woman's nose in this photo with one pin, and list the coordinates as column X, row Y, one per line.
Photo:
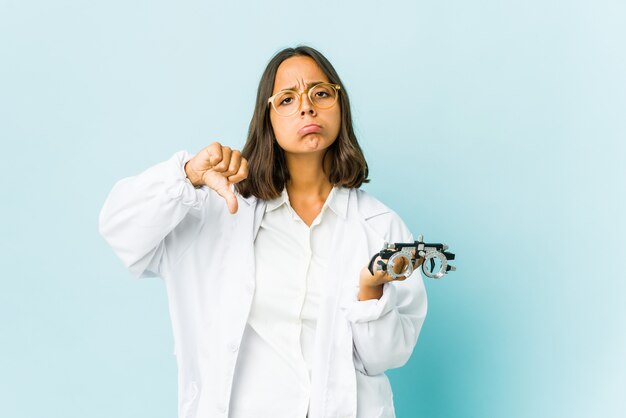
column 306, row 106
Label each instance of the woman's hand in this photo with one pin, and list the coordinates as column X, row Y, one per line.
column 218, row 167
column 371, row 286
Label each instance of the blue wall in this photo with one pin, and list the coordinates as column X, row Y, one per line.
column 496, row 127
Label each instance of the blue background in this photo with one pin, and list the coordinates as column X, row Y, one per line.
column 494, row 126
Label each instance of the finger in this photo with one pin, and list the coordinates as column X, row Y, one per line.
column 399, row 265
column 389, row 278
column 235, row 162
column 231, row 202
column 214, row 153
column 222, row 166
column 242, row 174
column 381, row 275
column 229, row 197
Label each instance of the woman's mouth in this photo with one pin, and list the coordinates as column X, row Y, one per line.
column 309, row 129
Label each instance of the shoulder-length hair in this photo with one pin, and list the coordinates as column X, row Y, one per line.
column 267, row 168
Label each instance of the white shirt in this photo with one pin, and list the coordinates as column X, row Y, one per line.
column 275, row 363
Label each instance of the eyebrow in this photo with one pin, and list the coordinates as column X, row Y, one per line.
column 309, row 85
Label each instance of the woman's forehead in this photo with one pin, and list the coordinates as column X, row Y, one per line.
column 298, row 72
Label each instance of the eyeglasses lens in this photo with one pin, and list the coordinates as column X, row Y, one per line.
column 323, row 96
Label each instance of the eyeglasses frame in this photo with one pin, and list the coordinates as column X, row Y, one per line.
column 270, row 101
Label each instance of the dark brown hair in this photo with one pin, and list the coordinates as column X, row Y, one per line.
column 267, row 168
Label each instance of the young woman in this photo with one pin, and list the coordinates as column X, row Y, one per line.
column 264, row 253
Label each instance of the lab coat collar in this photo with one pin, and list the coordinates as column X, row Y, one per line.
column 250, row 200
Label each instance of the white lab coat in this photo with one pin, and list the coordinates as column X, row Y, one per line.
column 160, row 225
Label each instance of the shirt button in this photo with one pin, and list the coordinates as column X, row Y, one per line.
column 233, row 347
column 221, row 408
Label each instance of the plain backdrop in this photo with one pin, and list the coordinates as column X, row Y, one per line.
column 496, row 127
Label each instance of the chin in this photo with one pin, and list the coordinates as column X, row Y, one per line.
column 315, row 142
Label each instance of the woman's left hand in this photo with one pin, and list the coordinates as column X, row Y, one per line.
column 371, row 286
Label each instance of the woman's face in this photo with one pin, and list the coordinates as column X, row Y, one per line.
column 294, row 133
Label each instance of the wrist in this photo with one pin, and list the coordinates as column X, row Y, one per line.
column 370, row 292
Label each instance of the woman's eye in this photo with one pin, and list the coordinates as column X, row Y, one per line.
column 322, row 94
column 286, row 101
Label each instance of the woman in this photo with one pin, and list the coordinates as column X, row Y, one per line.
column 264, row 254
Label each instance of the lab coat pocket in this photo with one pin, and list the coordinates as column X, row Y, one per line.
column 188, row 402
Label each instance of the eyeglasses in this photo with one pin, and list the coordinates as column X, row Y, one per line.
column 321, row 96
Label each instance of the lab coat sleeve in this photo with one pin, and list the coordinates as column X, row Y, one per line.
column 385, row 330
column 149, row 219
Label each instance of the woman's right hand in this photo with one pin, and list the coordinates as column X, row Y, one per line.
column 218, row 167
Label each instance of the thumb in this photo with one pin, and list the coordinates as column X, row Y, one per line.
column 230, row 198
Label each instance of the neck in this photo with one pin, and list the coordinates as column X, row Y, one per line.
column 306, row 175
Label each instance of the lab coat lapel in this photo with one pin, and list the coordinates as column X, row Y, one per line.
column 333, row 392
column 236, row 290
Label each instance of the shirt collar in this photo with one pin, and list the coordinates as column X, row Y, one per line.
column 337, row 201
column 279, row 201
